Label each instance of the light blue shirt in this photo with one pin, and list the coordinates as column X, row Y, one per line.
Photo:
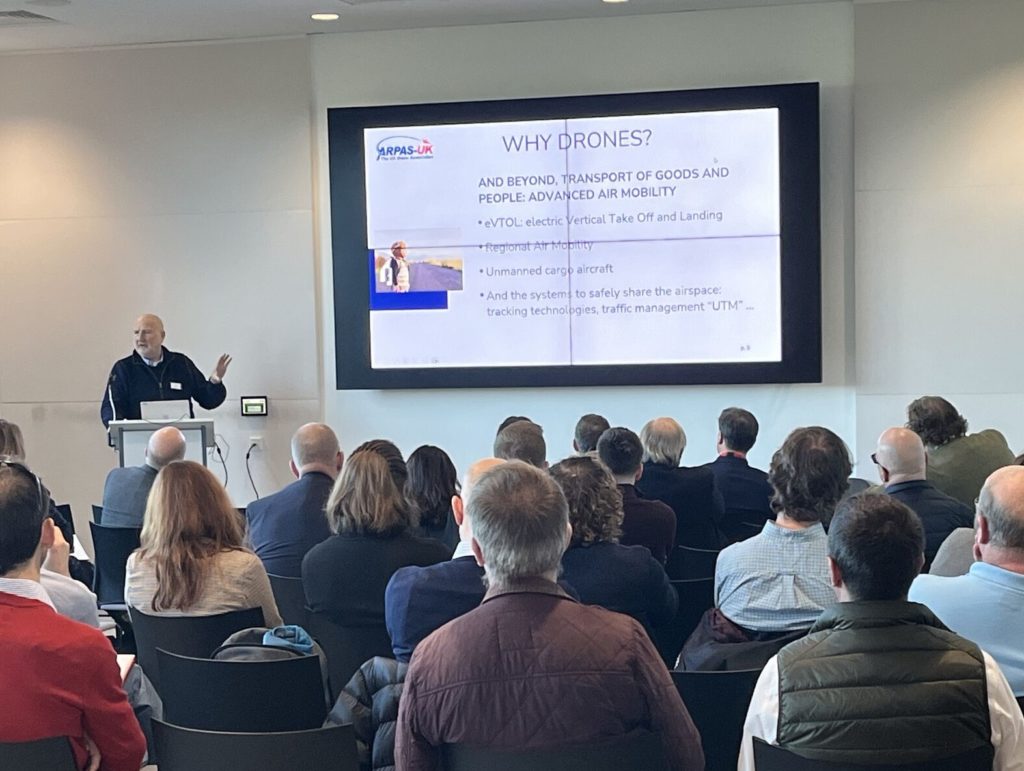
column 777, row 581
column 987, row 607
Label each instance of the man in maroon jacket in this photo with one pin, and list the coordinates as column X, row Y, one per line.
column 531, row 667
column 58, row 677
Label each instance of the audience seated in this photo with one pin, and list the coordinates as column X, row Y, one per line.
column 745, row 490
column 778, row 580
column 901, row 460
column 690, row 492
column 522, row 440
column 59, row 677
column 644, row 523
column 126, row 489
column 532, row 668
column 588, row 430
column 880, row 678
column 509, row 421
column 192, row 561
column 433, row 483
column 987, row 605
column 345, row 576
column 419, row 600
column 70, row 598
column 626, row 579
column 284, row 526
column 958, row 462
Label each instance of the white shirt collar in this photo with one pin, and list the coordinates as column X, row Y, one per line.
column 150, row 362
column 464, row 549
column 24, row 587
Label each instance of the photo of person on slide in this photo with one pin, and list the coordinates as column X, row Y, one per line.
column 425, row 270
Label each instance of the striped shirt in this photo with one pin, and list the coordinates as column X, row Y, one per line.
column 777, row 581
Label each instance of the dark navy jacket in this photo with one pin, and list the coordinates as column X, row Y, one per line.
column 132, row 382
column 625, row 579
column 284, row 526
column 746, row 493
column 940, row 514
column 692, row 494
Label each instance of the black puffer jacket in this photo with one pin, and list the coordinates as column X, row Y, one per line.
column 370, row 703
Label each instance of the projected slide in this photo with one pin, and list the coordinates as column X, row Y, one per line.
column 650, row 239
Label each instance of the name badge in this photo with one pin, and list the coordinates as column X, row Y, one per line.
column 175, row 386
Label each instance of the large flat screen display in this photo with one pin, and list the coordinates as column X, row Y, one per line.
column 620, row 239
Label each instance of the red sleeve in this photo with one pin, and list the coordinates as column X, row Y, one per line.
column 668, row 715
column 107, row 717
column 412, row 750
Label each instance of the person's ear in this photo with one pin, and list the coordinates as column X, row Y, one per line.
column 477, row 552
column 294, row 468
column 568, row 535
column 835, row 575
column 458, row 509
column 884, row 474
column 46, row 535
column 575, row 446
column 340, row 460
column 639, row 473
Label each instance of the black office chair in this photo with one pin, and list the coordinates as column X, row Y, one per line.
column 638, row 751
column 197, row 636
column 688, row 562
column 112, row 547
column 290, row 598
column 346, row 647
column 251, row 696
column 1020, row 702
column 97, row 514
column 53, row 754
column 331, row 748
column 696, row 595
column 718, row 702
column 768, row 757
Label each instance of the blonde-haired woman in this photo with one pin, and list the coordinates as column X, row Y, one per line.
column 192, row 561
column 345, row 576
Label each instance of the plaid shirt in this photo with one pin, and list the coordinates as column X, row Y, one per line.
column 777, row 581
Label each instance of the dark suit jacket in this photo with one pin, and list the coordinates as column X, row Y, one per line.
column 626, row 579
column 746, row 493
column 284, row 526
column 940, row 514
column 647, row 523
column 692, row 494
column 124, row 495
column 345, row 576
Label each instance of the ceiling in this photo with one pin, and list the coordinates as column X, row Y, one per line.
column 93, row 23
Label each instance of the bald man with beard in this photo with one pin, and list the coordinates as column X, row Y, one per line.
column 902, row 467
column 153, row 373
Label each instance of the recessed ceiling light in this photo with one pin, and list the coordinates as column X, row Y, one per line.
column 324, row 17
column 616, row 1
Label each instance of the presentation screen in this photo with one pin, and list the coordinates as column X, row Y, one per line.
column 626, row 239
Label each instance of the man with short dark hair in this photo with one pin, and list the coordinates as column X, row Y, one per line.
column 645, row 522
column 902, row 467
column 745, row 489
column 987, row 604
column 59, row 677
column 958, row 462
column 522, row 440
column 588, row 430
column 126, row 490
column 878, row 678
column 284, row 526
column 531, row 667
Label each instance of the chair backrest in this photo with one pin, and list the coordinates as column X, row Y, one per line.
column 97, row 514
column 196, row 636
column 347, row 647
column 252, row 696
column 112, row 546
column 638, row 751
column 689, row 562
column 290, row 598
column 1020, row 702
column 768, row 757
column 53, row 754
column 696, row 595
column 717, row 703
column 331, row 748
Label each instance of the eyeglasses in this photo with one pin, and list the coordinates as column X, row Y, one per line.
column 19, row 466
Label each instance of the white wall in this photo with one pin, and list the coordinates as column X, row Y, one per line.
column 176, row 180
column 675, row 51
column 939, row 105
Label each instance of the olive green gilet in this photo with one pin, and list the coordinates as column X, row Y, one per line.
column 881, row 682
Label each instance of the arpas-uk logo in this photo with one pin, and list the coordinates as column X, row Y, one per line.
column 404, row 149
